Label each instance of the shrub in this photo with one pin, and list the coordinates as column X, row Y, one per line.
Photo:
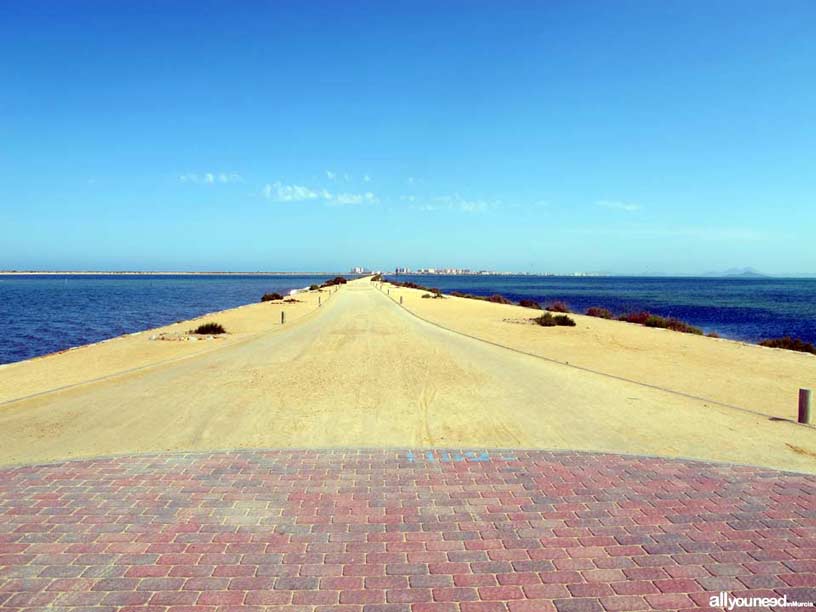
column 498, row 299
column 791, row 344
column 377, row 278
column 672, row 324
column 210, row 328
column 314, row 287
column 549, row 320
column 713, row 335
column 271, row 297
column 337, row 280
column 635, row 317
column 601, row 313
column 558, row 307
column 530, row 304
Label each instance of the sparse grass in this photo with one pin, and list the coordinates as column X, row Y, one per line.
column 210, row 328
column 530, row 304
column 271, row 297
column 558, row 306
column 601, row 313
column 550, row 320
column 437, row 295
column 790, row 344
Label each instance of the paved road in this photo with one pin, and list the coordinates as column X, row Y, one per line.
column 366, row 373
column 374, row 531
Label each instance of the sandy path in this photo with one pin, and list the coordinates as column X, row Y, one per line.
column 365, row 373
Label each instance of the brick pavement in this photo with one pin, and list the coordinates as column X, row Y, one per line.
column 400, row 531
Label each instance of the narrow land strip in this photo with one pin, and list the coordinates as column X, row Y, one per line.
column 363, row 372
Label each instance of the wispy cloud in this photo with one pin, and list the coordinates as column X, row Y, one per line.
column 210, row 178
column 331, row 175
column 280, row 192
column 457, row 202
column 366, row 178
column 704, row 233
column 354, row 198
column 618, row 205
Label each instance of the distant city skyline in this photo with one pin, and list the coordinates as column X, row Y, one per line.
column 626, row 137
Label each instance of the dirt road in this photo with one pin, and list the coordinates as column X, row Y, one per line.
column 366, row 373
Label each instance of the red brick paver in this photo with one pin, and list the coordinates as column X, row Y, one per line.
column 390, row 531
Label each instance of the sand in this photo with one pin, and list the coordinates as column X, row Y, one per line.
column 363, row 372
column 765, row 380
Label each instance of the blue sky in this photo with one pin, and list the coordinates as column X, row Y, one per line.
column 629, row 137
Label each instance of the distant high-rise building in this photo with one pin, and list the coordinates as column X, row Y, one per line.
column 402, row 271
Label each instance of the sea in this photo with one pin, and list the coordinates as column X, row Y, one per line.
column 42, row 314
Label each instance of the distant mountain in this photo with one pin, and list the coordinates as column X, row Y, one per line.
column 738, row 273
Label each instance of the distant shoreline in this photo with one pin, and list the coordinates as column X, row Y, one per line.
column 159, row 273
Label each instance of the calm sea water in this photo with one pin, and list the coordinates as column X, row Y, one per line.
column 43, row 314
column 737, row 308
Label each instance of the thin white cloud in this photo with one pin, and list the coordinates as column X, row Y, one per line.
column 711, row 234
column 618, row 205
column 355, row 198
column 457, row 202
column 408, row 198
column 210, row 178
column 331, row 175
column 280, row 192
column 366, row 178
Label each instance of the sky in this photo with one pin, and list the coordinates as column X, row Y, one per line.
column 623, row 137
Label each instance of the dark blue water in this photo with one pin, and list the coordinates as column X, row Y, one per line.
column 737, row 308
column 43, row 314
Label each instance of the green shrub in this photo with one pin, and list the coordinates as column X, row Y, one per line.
column 601, row 313
column 635, row 317
column 530, row 304
column 558, row 307
column 550, row 320
column 210, row 329
column 337, row 280
column 790, row 344
column 672, row 324
column 271, row 297
column 314, row 287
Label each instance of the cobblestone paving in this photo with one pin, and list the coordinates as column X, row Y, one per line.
column 400, row 531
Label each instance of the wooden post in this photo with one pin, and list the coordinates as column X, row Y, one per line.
column 805, row 396
column 319, row 304
column 400, row 299
column 283, row 317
